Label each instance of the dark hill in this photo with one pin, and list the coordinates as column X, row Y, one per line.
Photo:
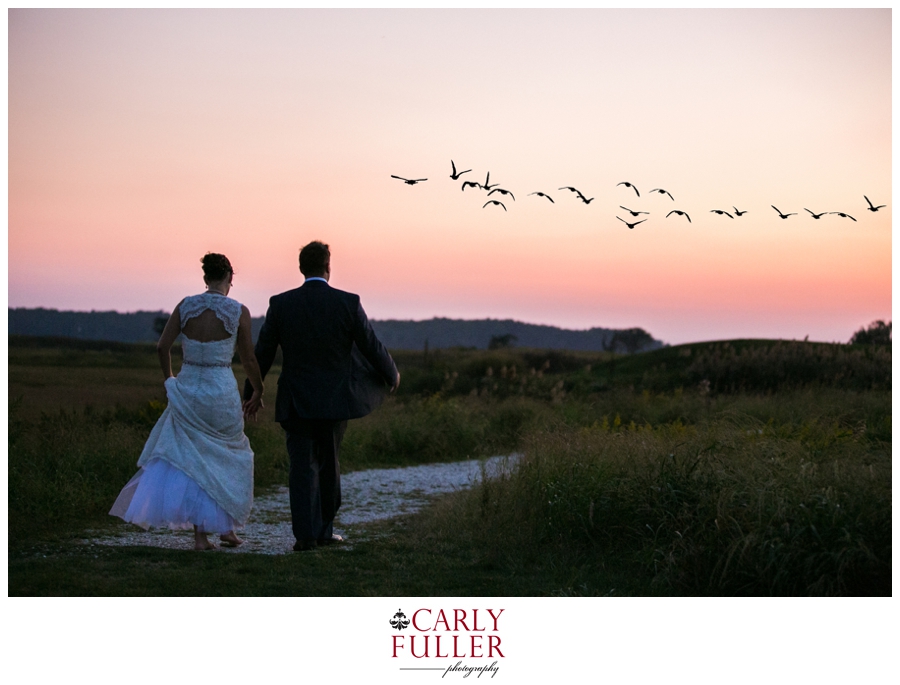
column 443, row 333
column 396, row 335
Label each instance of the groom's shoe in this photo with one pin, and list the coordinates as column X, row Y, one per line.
column 304, row 545
column 333, row 540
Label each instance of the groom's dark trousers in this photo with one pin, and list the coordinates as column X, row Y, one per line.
column 315, row 477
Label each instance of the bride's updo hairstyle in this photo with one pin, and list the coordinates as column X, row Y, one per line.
column 216, row 266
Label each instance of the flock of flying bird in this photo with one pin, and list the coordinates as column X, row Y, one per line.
column 494, row 188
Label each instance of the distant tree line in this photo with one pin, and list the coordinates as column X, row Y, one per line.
column 133, row 327
column 396, row 335
column 878, row 333
column 144, row 326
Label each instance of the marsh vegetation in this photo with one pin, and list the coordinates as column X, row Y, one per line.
column 740, row 467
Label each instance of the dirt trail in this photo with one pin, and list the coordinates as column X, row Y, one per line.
column 367, row 496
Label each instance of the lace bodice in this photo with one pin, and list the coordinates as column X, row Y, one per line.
column 227, row 310
column 216, row 352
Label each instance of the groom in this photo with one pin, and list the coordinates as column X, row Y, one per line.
column 334, row 369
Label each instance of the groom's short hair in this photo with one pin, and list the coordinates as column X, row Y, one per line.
column 315, row 259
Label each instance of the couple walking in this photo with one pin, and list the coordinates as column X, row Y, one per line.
column 197, row 466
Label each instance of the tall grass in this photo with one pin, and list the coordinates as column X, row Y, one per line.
column 788, row 364
column 730, row 506
column 68, row 467
column 434, row 429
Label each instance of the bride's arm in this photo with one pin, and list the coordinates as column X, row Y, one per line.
column 249, row 362
column 166, row 340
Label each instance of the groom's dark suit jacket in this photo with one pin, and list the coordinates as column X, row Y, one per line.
column 334, row 366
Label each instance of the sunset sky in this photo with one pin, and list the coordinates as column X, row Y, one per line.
column 141, row 139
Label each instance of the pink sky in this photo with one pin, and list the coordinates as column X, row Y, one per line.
column 141, row 139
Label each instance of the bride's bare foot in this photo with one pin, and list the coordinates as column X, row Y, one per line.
column 201, row 542
column 229, row 539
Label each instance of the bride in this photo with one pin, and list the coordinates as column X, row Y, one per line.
column 197, row 466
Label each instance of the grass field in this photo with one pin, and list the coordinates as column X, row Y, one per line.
column 727, row 468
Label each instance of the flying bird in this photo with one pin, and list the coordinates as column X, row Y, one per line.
column 631, row 225
column 814, row 215
column 871, row 207
column 470, row 184
column 679, row 212
column 782, row 215
column 632, row 212
column 487, row 182
column 584, row 199
column 456, row 174
column 539, row 194
column 721, row 211
column 663, row 192
column 410, row 181
column 494, row 202
column 503, row 192
column 738, row 212
column 628, row 185
column 846, row 216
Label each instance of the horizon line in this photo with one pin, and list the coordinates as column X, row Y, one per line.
column 262, row 316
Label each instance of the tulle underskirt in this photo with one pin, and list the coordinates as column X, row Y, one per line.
column 161, row 495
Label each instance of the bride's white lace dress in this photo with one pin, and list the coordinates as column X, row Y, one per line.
column 197, row 465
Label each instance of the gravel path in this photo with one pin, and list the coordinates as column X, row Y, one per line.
column 367, row 496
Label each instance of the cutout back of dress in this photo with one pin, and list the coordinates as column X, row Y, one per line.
column 205, row 327
column 209, row 326
column 209, row 318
